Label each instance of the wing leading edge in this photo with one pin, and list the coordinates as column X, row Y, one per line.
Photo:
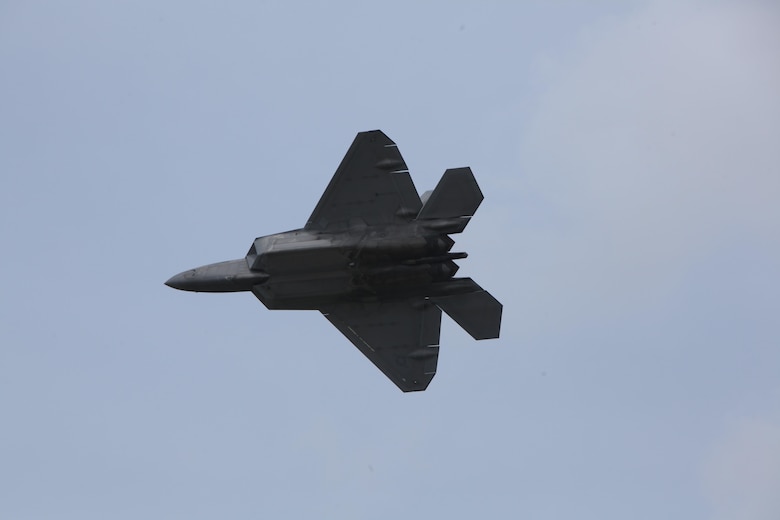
column 401, row 337
column 371, row 186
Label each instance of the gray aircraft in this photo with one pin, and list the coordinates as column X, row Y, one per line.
column 375, row 259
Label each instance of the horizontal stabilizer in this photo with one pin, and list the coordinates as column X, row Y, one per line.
column 456, row 195
column 477, row 312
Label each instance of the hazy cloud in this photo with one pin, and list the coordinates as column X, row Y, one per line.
column 653, row 146
column 742, row 474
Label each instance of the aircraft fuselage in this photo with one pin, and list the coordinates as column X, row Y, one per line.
column 302, row 269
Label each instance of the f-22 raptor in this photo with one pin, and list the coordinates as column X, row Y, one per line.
column 374, row 258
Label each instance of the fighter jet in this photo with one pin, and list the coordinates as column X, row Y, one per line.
column 374, row 258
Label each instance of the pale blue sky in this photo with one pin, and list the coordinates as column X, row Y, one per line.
column 629, row 157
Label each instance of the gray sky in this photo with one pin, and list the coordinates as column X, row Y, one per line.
column 628, row 152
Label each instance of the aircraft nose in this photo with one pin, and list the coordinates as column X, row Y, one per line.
column 183, row 281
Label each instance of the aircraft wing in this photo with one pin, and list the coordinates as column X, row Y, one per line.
column 371, row 186
column 401, row 337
